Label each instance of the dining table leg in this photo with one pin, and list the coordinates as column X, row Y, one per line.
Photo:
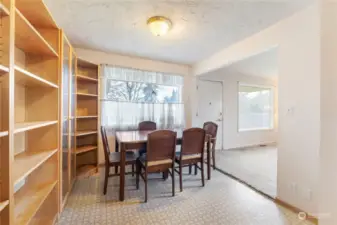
column 122, row 172
column 116, row 150
column 208, row 160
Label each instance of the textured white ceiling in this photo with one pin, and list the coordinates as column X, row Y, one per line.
column 264, row 65
column 200, row 27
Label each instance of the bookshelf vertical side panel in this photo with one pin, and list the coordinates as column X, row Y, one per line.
column 100, row 159
column 11, row 111
column 5, row 190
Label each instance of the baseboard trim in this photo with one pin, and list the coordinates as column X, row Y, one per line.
column 252, row 146
column 296, row 210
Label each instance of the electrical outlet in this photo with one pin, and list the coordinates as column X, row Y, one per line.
column 293, row 187
column 307, row 194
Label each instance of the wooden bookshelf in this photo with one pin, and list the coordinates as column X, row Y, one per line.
column 87, row 95
column 43, row 19
column 28, row 39
column 3, row 10
column 6, row 112
column 26, row 126
column 39, row 76
column 27, row 78
column 29, row 204
column 84, row 149
column 3, row 133
column 85, row 133
column 29, row 113
column 26, row 162
column 82, row 78
column 68, row 138
column 3, row 70
column 3, row 204
column 86, row 118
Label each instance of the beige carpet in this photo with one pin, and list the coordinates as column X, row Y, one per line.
column 222, row 201
column 256, row 166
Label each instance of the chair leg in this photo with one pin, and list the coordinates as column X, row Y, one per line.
column 195, row 169
column 173, row 182
column 106, row 177
column 133, row 170
column 145, row 181
column 137, row 175
column 213, row 157
column 116, row 169
column 181, row 177
column 165, row 175
column 202, row 174
column 190, row 169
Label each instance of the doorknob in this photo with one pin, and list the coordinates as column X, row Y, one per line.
column 220, row 117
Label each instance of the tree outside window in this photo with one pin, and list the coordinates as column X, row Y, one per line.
column 127, row 91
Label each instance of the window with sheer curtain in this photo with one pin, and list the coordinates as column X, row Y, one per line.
column 129, row 96
column 256, row 107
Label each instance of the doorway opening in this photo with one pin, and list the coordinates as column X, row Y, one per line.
column 248, row 119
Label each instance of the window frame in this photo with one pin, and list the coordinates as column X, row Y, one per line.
column 272, row 103
column 180, row 88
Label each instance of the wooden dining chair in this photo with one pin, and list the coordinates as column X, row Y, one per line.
column 211, row 129
column 147, row 125
column 192, row 152
column 161, row 146
column 112, row 159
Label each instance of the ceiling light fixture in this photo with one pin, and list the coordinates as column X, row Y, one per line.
column 159, row 25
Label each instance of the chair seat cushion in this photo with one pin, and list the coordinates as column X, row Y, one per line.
column 187, row 157
column 143, row 159
column 115, row 157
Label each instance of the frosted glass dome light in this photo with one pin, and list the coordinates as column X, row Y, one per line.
column 159, row 25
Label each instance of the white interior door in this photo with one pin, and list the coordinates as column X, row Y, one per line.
column 210, row 106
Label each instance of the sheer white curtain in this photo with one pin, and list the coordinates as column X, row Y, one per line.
column 129, row 96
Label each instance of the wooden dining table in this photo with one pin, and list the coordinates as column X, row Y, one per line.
column 129, row 140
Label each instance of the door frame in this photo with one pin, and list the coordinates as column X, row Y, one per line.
column 222, row 104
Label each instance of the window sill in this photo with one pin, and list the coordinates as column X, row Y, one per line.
column 256, row 129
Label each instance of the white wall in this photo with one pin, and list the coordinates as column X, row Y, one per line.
column 328, row 82
column 132, row 62
column 232, row 138
column 298, row 40
column 99, row 57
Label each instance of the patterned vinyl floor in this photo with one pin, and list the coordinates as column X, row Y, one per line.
column 222, row 201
